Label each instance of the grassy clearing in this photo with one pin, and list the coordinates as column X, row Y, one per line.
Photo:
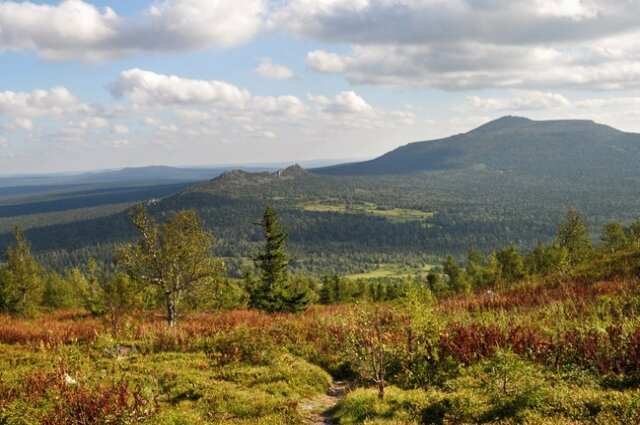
column 394, row 215
column 392, row 270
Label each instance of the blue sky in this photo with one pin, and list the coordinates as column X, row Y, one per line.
column 90, row 85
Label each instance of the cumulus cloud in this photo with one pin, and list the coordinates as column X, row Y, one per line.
column 464, row 44
column 120, row 129
column 209, row 108
column 150, row 89
column 20, row 124
column 77, row 29
column 272, row 71
column 436, row 21
column 116, row 144
column 286, row 105
column 472, row 66
column 57, row 101
column 4, row 143
column 147, row 87
column 527, row 101
column 347, row 102
column 347, row 109
column 547, row 101
column 326, row 62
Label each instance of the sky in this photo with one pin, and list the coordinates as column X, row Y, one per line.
column 87, row 85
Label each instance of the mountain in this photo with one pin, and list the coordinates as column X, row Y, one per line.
column 509, row 181
column 563, row 148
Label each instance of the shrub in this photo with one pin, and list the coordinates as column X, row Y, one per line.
column 105, row 404
column 241, row 344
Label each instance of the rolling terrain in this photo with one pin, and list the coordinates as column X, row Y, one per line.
column 506, row 182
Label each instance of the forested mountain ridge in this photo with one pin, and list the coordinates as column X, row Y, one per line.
column 561, row 148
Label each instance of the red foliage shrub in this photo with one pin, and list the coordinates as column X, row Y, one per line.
column 580, row 294
column 49, row 331
column 110, row 404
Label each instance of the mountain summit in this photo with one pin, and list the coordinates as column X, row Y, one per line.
column 562, row 147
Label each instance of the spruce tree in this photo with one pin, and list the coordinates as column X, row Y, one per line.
column 327, row 293
column 274, row 292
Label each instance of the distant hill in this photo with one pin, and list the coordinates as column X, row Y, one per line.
column 155, row 174
column 563, row 148
column 241, row 178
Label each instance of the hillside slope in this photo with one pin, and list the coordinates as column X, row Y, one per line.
column 563, row 148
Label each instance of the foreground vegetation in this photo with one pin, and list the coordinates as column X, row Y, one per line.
column 538, row 352
column 547, row 336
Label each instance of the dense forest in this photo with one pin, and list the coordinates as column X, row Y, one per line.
column 338, row 223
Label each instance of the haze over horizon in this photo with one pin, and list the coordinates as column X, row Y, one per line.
column 88, row 85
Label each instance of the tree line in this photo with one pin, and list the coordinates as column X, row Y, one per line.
column 571, row 252
column 171, row 266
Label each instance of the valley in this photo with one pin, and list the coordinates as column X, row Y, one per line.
column 346, row 220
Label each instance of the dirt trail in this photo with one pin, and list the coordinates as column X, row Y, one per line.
column 315, row 411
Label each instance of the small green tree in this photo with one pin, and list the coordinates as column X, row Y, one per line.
column 371, row 343
column 21, row 286
column 458, row 281
column 634, row 233
column 174, row 256
column 573, row 236
column 93, row 295
column 615, row 237
column 59, row 292
column 275, row 291
column 121, row 297
column 511, row 264
column 475, row 268
column 327, row 292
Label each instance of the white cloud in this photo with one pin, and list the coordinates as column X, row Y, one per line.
column 150, row 121
column 347, row 102
column 348, row 110
column 4, row 143
column 77, row 29
column 273, row 71
column 198, row 23
column 117, row 143
column 526, row 101
column 120, row 129
column 146, row 87
column 326, row 62
column 285, row 105
column 93, row 123
column 20, row 124
column 465, row 44
column 154, row 90
column 57, row 101
column 437, row 21
column 470, row 66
